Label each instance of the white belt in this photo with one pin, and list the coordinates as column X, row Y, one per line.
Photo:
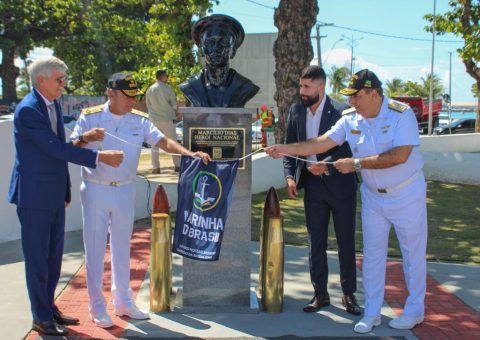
column 400, row 186
column 110, row 183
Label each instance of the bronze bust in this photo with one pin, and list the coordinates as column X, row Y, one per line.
column 218, row 36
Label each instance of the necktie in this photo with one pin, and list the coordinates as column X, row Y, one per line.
column 53, row 117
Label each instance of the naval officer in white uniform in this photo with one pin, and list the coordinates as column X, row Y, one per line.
column 108, row 194
column 383, row 136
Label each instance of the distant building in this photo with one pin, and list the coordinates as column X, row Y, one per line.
column 254, row 60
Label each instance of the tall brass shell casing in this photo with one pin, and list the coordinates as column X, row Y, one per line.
column 160, row 254
column 271, row 255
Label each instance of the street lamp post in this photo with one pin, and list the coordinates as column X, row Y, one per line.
column 318, row 37
column 331, row 49
column 430, row 104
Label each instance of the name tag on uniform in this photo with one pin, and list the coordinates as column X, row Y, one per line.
column 135, row 134
column 355, row 132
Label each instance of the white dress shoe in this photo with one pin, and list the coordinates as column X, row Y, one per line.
column 366, row 324
column 132, row 312
column 406, row 322
column 102, row 320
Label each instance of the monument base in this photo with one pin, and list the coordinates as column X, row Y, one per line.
column 254, row 307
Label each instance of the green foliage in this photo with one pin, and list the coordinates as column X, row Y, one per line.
column 395, row 87
column 338, row 77
column 475, row 90
column 138, row 36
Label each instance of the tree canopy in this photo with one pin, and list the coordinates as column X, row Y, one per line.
column 99, row 37
column 27, row 24
column 463, row 21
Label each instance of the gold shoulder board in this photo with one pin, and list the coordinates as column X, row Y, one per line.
column 348, row 111
column 397, row 106
column 92, row 109
column 140, row 113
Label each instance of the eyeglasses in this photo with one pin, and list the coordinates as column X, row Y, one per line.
column 61, row 80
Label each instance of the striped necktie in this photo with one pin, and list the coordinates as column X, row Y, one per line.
column 53, row 117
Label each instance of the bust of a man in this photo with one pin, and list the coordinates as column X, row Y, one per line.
column 218, row 36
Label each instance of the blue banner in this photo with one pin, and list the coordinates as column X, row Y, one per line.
column 204, row 195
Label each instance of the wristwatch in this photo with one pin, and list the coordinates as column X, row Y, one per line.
column 80, row 139
column 356, row 164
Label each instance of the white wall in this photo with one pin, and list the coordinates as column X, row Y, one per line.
column 452, row 158
column 254, row 60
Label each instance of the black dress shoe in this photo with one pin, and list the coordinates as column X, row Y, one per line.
column 350, row 303
column 62, row 319
column 49, row 327
column 317, row 302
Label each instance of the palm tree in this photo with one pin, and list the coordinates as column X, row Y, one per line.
column 338, row 77
column 423, row 89
column 395, row 87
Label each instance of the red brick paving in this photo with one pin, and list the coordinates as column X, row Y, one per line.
column 73, row 301
column 446, row 316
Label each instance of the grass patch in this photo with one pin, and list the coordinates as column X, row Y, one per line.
column 453, row 222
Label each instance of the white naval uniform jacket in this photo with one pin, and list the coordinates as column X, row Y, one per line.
column 134, row 129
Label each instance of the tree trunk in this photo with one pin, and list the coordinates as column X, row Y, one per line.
column 292, row 51
column 9, row 73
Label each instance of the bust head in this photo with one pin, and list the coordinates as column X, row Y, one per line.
column 218, row 36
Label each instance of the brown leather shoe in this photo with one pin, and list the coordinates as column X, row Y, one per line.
column 317, row 302
column 62, row 319
column 350, row 303
column 49, row 328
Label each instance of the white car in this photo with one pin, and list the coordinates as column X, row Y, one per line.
column 179, row 131
column 257, row 131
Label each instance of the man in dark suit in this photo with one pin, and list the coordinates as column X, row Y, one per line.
column 327, row 192
column 40, row 186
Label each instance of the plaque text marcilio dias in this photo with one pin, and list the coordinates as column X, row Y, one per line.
column 219, row 143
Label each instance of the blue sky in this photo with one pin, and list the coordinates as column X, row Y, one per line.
column 406, row 59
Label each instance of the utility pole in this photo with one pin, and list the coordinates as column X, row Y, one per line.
column 318, row 37
column 450, row 93
column 353, row 43
column 430, row 104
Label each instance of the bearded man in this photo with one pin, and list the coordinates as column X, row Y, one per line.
column 327, row 191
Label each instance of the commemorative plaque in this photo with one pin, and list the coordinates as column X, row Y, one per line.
column 220, row 143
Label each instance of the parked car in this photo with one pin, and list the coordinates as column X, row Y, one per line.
column 179, row 131
column 464, row 125
column 257, row 131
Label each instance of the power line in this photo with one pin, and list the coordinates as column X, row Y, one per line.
column 391, row 36
column 260, row 4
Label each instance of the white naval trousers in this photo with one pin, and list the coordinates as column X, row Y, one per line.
column 107, row 210
column 406, row 211
column 168, row 129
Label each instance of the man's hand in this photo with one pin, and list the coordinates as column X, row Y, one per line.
column 111, row 157
column 317, row 169
column 204, row 156
column 292, row 188
column 344, row 165
column 276, row 151
column 94, row 135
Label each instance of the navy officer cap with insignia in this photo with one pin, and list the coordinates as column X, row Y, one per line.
column 124, row 82
column 363, row 79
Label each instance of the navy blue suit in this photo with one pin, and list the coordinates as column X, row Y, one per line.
column 334, row 195
column 40, row 186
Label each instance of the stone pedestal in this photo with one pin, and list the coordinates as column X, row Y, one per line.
column 223, row 284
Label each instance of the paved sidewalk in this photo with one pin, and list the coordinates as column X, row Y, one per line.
column 452, row 312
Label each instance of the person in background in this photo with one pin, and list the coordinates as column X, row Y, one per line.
column 162, row 112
